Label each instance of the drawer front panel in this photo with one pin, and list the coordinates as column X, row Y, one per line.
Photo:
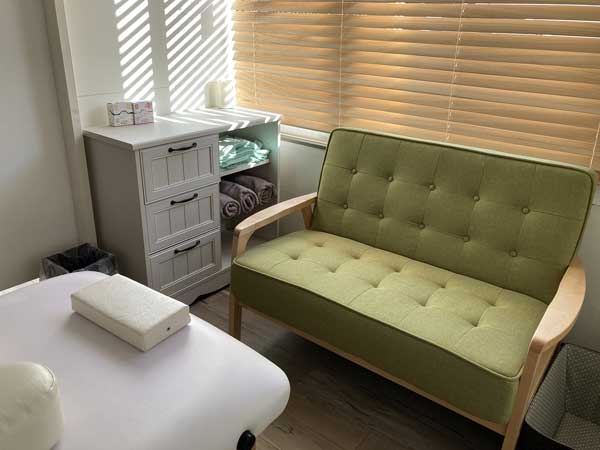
column 179, row 167
column 183, row 217
column 187, row 263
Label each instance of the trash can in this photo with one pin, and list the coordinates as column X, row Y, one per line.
column 565, row 412
column 78, row 259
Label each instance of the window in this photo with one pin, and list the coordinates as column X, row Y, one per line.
column 511, row 75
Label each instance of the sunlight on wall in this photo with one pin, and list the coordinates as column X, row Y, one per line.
column 135, row 49
column 190, row 45
column 198, row 41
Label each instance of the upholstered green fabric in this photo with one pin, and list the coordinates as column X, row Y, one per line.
column 433, row 263
column 512, row 222
column 455, row 337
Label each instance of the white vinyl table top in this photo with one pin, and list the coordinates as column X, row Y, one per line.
column 197, row 390
column 180, row 126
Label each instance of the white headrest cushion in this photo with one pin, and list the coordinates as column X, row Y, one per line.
column 30, row 412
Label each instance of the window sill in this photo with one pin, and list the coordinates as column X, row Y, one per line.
column 304, row 136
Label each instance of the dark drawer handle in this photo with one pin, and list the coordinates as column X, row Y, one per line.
column 176, row 251
column 175, row 202
column 182, row 149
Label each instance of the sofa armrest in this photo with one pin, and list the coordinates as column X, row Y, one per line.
column 559, row 318
column 245, row 229
column 562, row 312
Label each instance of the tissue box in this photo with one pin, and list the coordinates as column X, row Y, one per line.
column 143, row 112
column 120, row 113
column 131, row 311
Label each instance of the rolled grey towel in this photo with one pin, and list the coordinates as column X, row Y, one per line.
column 265, row 190
column 230, row 208
column 245, row 197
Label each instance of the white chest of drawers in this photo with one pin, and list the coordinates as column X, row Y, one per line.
column 155, row 191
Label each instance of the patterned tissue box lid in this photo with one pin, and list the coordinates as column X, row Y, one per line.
column 120, row 113
column 143, row 112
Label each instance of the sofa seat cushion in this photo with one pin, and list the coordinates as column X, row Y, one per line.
column 455, row 337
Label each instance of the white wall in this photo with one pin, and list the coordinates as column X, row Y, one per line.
column 36, row 207
column 164, row 50
column 299, row 173
column 300, row 167
column 587, row 330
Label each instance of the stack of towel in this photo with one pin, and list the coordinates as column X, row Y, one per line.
column 235, row 151
column 241, row 194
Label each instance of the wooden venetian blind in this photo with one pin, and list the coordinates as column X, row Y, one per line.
column 513, row 75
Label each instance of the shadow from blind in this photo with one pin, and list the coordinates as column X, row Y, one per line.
column 198, row 45
column 135, row 49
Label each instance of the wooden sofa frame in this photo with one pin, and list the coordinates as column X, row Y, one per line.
column 557, row 321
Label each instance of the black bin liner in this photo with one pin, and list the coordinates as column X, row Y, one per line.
column 78, row 259
column 565, row 412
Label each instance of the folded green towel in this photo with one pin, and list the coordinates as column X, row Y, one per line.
column 235, row 151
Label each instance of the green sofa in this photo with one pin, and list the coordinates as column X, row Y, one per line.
column 431, row 264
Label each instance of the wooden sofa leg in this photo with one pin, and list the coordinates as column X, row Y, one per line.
column 521, row 402
column 535, row 367
column 235, row 317
column 511, row 437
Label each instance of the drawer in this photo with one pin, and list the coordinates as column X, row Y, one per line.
column 182, row 217
column 179, row 167
column 180, row 266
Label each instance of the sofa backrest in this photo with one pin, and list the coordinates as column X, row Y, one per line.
column 510, row 221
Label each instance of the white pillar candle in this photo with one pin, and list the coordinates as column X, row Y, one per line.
column 220, row 94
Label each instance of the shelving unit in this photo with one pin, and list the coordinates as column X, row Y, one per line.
column 244, row 167
column 155, row 190
column 268, row 134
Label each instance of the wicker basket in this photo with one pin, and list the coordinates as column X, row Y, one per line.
column 565, row 412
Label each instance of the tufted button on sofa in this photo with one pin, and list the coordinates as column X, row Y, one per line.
column 438, row 276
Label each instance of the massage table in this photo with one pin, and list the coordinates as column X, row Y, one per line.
column 200, row 389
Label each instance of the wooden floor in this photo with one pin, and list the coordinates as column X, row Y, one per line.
column 337, row 405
